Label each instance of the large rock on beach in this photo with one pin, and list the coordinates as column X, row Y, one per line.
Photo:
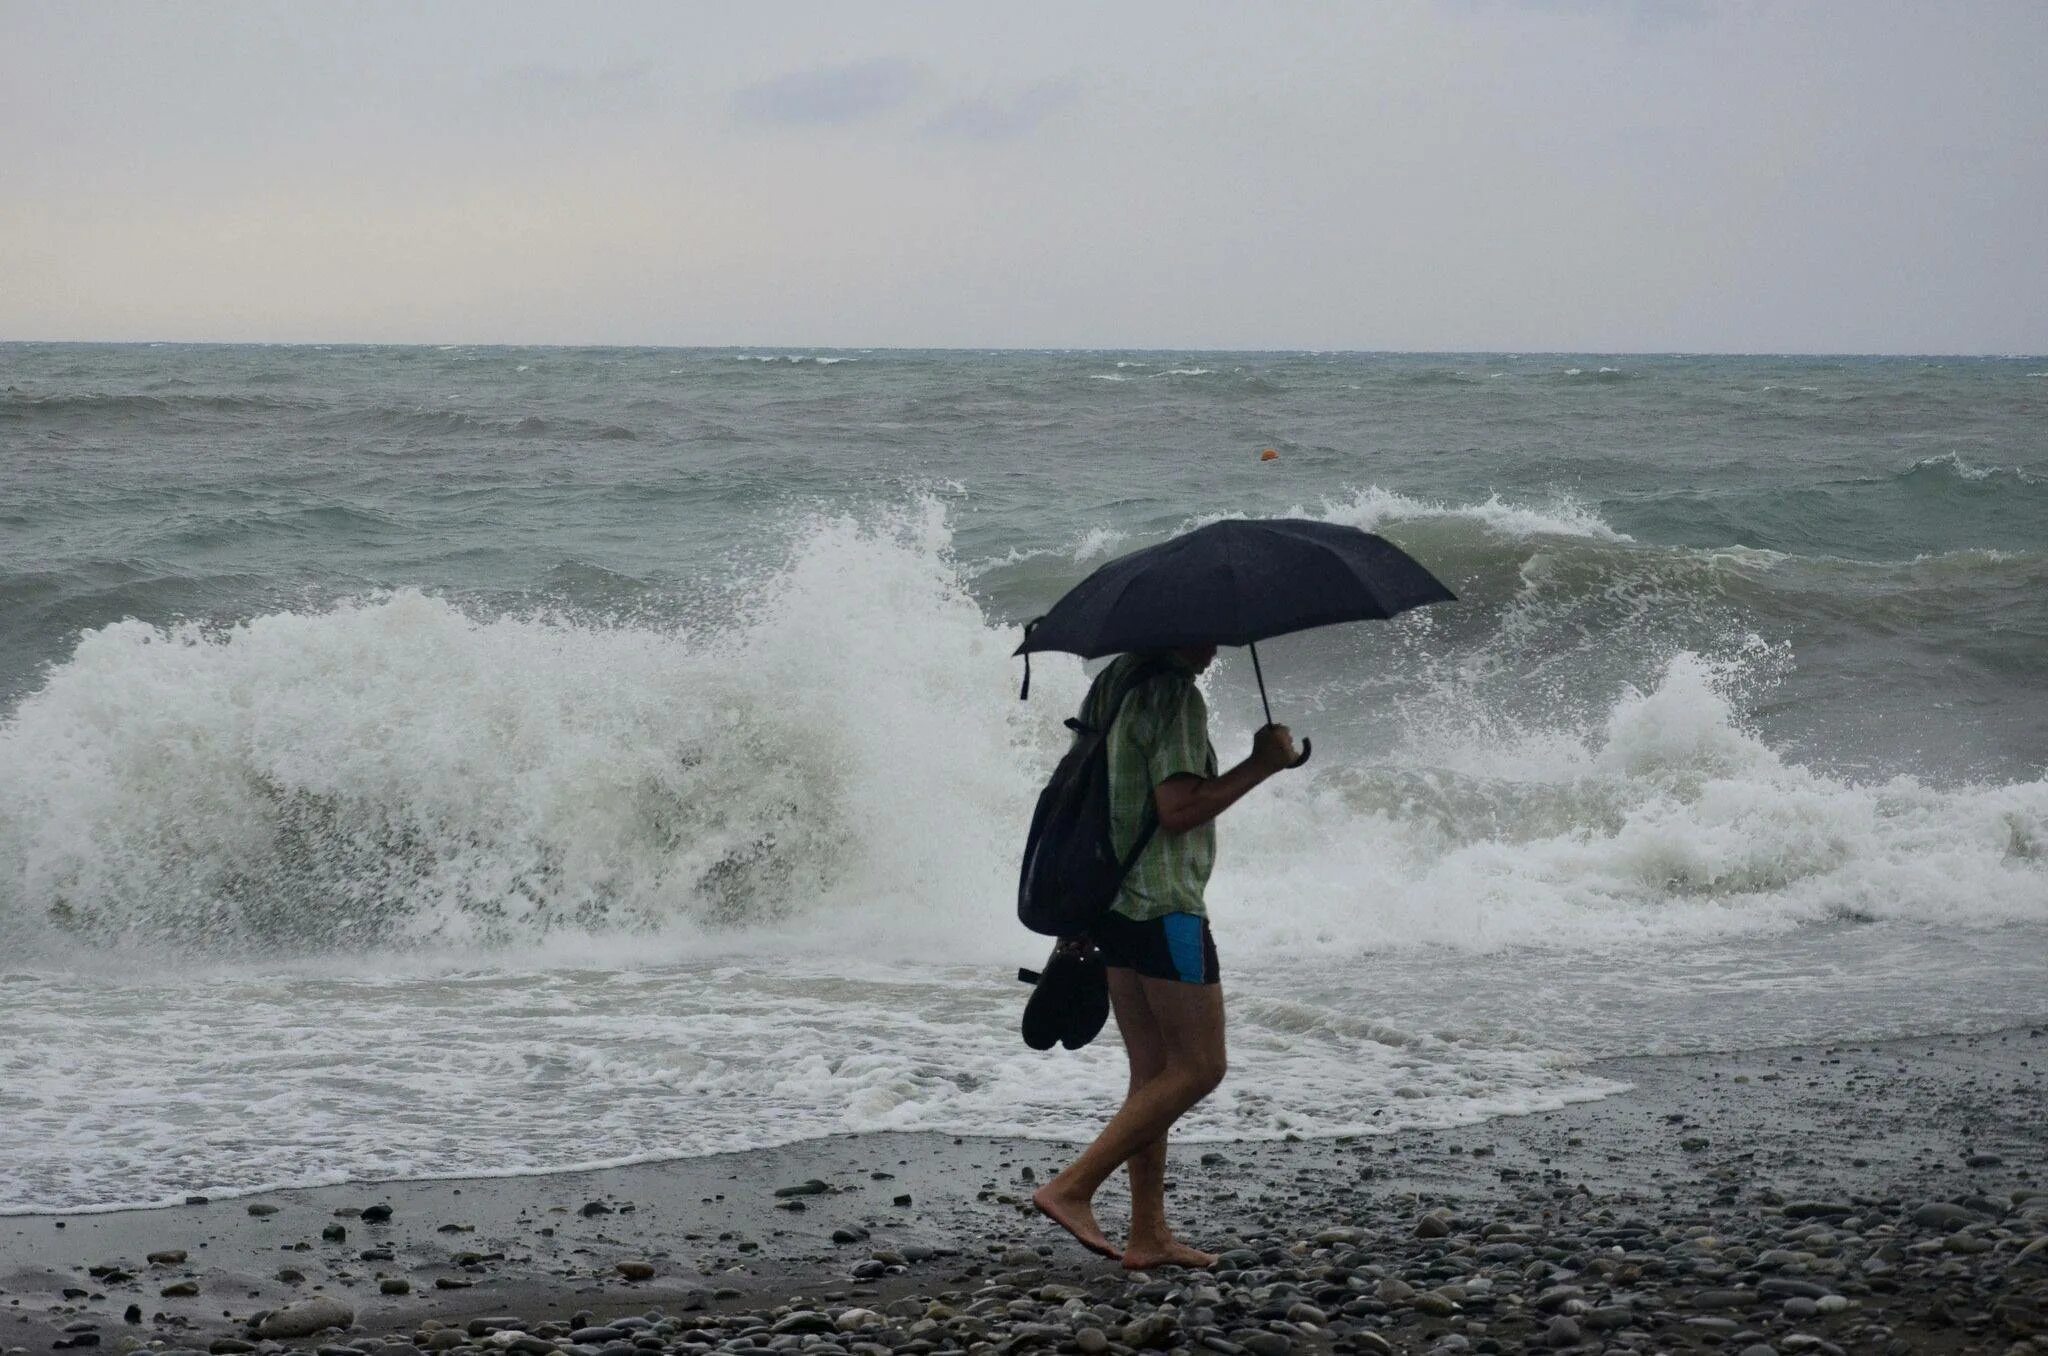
column 314, row 1314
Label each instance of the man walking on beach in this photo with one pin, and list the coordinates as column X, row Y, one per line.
column 1155, row 942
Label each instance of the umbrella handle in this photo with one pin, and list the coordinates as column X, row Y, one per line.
column 1307, row 745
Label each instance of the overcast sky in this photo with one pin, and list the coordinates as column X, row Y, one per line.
column 1444, row 174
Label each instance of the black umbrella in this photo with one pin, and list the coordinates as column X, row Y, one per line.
column 1234, row 582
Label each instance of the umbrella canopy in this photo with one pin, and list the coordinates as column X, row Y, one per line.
column 1233, row 582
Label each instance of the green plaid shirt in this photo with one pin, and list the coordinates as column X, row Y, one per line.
column 1162, row 732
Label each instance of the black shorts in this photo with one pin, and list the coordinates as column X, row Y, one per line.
column 1178, row 946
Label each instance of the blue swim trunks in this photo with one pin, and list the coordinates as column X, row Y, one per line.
column 1177, row 946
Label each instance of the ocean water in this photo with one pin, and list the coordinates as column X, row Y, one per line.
column 421, row 762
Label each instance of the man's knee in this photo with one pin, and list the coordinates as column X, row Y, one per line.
column 1201, row 1073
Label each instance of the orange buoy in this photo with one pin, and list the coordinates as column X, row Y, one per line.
column 1269, row 455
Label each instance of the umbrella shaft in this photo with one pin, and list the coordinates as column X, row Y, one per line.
column 1259, row 674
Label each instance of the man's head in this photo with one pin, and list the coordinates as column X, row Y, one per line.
column 1196, row 657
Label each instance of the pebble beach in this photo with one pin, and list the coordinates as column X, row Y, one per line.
column 1887, row 1197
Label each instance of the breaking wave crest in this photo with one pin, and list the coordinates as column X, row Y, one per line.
column 844, row 766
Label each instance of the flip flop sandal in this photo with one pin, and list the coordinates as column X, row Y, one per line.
column 1069, row 999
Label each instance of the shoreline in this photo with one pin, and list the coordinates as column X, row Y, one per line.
column 1915, row 1155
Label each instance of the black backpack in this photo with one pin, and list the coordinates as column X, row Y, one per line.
column 1071, row 871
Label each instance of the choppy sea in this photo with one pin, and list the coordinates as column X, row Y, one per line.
column 446, row 761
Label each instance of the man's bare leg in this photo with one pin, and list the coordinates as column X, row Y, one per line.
column 1189, row 1020
column 1152, row 1243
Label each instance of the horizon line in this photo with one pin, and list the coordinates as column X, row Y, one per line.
column 1037, row 348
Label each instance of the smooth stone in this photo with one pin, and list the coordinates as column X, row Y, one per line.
column 169, row 1257
column 376, row 1214
column 262, row 1208
column 803, row 1321
column 1394, row 1290
column 852, row 1320
column 1564, row 1332
column 305, row 1317
column 394, row 1285
column 1799, row 1306
column 1436, row 1305
column 180, row 1290
column 1818, row 1209
column 1153, row 1330
column 1942, row 1215
column 1265, row 1343
column 596, row 1334
column 1371, row 1343
column 1723, row 1299
column 1607, row 1317
column 1432, row 1225
column 1779, row 1287
column 635, row 1271
column 813, row 1187
column 484, row 1327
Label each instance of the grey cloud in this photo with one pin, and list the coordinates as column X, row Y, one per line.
column 1001, row 119
column 830, row 95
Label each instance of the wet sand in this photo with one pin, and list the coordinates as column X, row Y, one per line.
column 1887, row 1197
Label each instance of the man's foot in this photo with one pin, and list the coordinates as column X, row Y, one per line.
column 1076, row 1217
column 1170, row 1253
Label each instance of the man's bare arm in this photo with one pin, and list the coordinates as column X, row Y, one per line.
column 1188, row 802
